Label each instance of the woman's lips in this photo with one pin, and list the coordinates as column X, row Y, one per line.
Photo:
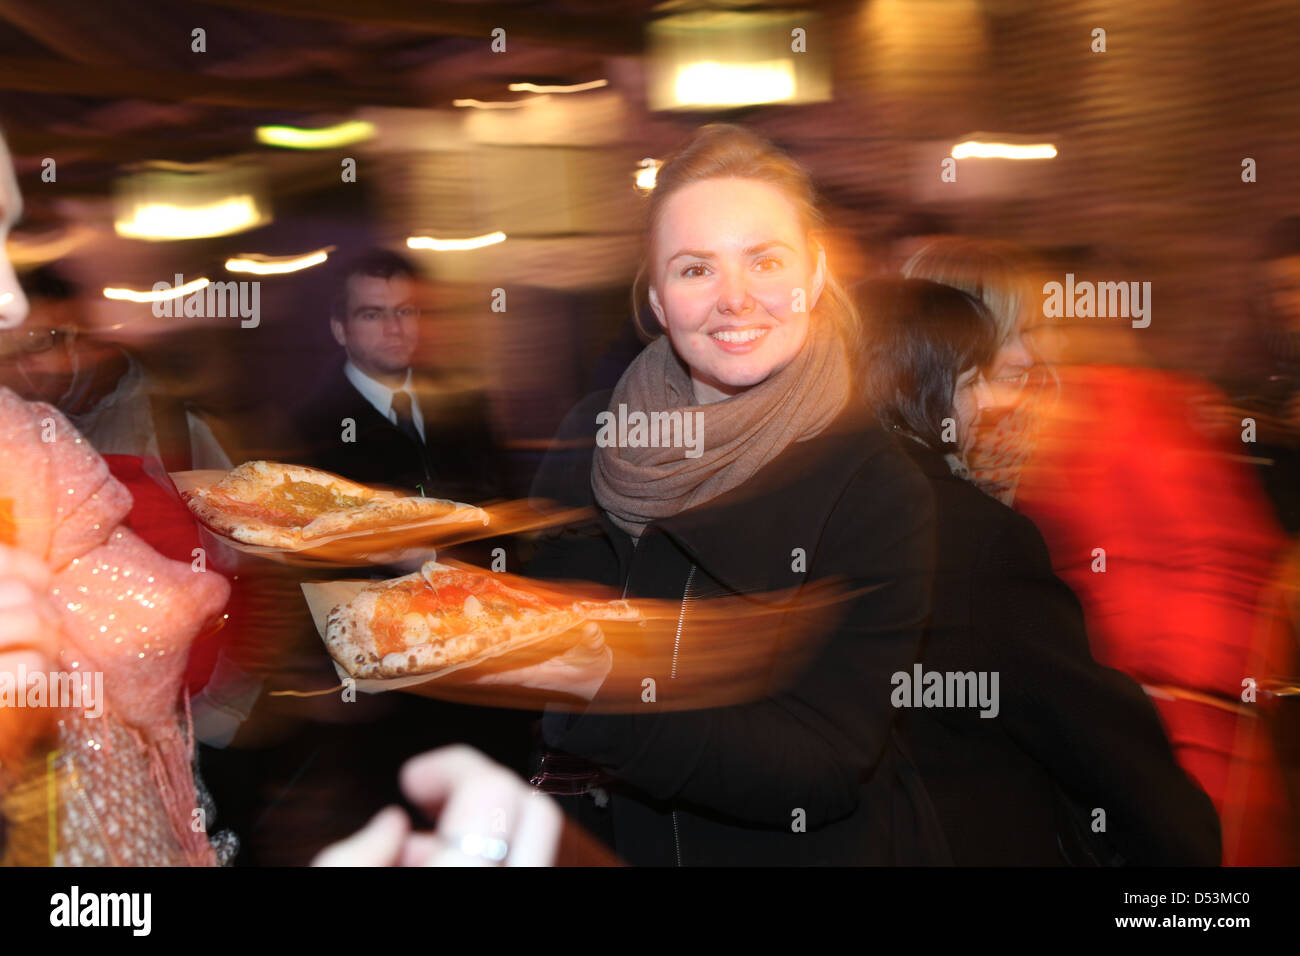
column 738, row 341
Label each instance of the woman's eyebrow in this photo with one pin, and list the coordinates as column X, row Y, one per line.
column 764, row 246
column 692, row 253
column 748, row 250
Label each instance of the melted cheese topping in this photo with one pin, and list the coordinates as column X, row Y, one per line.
column 309, row 497
column 292, row 504
column 414, row 613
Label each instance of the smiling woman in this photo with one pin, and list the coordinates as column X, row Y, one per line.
column 739, row 283
column 792, row 485
column 736, row 315
column 766, row 271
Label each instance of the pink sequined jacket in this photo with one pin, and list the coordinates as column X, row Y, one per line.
column 126, row 789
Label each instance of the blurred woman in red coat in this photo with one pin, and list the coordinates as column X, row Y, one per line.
column 1167, row 541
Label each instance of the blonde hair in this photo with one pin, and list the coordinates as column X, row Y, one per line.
column 726, row 151
column 999, row 274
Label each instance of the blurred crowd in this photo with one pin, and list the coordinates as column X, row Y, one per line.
column 1156, row 615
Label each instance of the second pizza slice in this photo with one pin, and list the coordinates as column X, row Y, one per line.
column 443, row 617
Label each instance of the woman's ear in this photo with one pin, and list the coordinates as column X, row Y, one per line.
column 657, row 307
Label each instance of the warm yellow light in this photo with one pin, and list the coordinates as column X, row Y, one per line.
column 325, row 137
column 708, row 83
column 159, row 220
column 25, row 252
column 974, row 149
column 455, row 245
column 276, row 265
column 646, row 174
column 175, row 166
column 490, row 104
column 162, row 295
column 573, row 88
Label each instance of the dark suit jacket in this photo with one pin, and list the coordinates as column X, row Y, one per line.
column 458, row 460
column 1071, row 736
column 463, row 466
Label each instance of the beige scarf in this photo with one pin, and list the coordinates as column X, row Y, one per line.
column 638, row 485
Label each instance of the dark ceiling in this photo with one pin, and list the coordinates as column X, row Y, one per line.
column 99, row 85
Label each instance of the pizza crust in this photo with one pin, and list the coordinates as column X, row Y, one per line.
column 247, row 529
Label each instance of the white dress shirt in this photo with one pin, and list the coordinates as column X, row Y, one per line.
column 381, row 396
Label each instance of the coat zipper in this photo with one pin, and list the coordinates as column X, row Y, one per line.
column 677, row 646
column 681, row 621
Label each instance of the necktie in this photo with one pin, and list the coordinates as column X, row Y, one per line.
column 406, row 425
column 405, row 421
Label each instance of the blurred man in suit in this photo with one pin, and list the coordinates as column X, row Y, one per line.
column 332, row 764
column 373, row 421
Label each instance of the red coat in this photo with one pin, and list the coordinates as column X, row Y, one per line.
column 160, row 517
column 1120, row 472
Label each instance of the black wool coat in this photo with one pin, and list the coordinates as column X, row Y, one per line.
column 809, row 772
column 1071, row 737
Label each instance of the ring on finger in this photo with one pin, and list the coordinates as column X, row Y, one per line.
column 476, row 845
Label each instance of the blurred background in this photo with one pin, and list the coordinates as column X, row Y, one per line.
column 156, row 139
column 506, row 149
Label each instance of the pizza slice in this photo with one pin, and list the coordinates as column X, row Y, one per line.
column 290, row 507
column 444, row 617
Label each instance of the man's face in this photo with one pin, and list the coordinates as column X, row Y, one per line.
column 36, row 357
column 382, row 325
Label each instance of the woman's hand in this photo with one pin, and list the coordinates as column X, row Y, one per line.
column 486, row 816
column 579, row 671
